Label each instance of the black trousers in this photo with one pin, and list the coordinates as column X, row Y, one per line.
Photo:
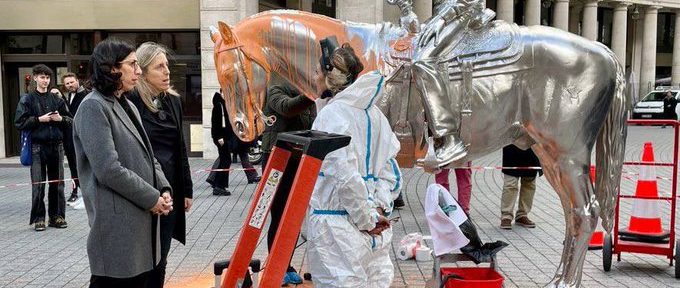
column 280, row 199
column 48, row 162
column 139, row 281
column 70, row 152
column 157, row 276
column 222, row 178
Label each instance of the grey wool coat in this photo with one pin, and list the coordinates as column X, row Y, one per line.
column 117, row 175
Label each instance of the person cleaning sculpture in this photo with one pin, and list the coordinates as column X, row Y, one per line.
column 348, row 233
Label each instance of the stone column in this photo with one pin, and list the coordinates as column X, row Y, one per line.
column 648, row 69
column 505, row 10
column 423, row 8
column 675, row 78
column 363, row 11
column 561, row 14
column 532, row 12
column 575, row 19
column 619, row 31
column 211, row 11
column 590, row 20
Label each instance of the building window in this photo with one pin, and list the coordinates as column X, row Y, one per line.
column 324, row 7
column 547, row 13
column 181, row 43
column 33, row 44
column 605, row 19
column 666, row 29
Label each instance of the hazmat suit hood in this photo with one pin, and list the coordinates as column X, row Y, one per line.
column 355, row 95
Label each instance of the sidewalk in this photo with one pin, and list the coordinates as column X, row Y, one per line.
column 57, row 258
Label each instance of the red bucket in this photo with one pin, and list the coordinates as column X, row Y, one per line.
column 471, row 277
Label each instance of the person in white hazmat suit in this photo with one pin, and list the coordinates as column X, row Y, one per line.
column 348, row 233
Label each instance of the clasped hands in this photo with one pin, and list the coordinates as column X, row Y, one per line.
column 382, row 224
column 163, row 205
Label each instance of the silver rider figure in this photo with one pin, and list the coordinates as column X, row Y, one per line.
column 441, row 33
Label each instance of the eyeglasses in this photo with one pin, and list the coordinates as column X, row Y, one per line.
column 133, row 63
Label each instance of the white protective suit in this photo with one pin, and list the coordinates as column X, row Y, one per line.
column 352, row 183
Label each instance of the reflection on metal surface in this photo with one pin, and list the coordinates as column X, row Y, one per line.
column 480, row 84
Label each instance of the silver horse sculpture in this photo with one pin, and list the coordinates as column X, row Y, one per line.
column 482, row 85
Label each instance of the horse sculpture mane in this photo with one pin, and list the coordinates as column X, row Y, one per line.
column 487, row 85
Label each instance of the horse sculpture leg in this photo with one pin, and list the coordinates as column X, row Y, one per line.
column 568, row 175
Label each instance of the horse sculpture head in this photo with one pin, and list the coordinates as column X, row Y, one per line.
column 243, row 79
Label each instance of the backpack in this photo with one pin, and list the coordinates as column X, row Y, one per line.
column 26, row 157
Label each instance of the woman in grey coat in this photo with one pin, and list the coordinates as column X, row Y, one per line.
column 123, row 186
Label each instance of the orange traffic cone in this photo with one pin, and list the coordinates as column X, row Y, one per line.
column 597, row 239
column 645, row 220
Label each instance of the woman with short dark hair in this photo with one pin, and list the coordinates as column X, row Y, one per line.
column 123, row 186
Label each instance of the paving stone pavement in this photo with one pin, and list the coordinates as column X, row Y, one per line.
column 57, row 258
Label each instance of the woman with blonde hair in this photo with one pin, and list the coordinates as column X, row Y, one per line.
column 161, row 112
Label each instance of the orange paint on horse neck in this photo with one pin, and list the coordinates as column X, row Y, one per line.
column 252, row 31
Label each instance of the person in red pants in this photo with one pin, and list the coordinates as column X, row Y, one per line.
column 463, row 181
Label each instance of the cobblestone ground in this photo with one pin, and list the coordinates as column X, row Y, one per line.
column 57, row 258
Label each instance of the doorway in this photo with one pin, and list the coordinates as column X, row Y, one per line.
column 18, row 82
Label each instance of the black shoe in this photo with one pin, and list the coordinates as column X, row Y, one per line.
column 399, row 202
column 58, row 223
column 255, row 180
column 221, row 192
column 74, row 196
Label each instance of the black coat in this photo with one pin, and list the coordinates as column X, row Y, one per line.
column 33, row 105
column 75, row 102
column 515, row 157
column 293, row 112
column 169, row 149
column 221, row 127
column 669, row 104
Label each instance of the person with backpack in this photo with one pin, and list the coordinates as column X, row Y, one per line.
column 46, row 116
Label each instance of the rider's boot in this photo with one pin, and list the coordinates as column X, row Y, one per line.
column 442, row 110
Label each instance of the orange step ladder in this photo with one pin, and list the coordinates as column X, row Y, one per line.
column 298, row 155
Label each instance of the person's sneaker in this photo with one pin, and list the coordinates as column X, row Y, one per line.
column 39, row 226
column 255, row 180
column 524, row 221
column 217, row 191
column 506, row 224
column 399, row 202
column 74, row 197
column 58, row 223
column 291, row 277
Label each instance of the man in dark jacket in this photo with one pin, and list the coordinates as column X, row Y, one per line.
column 75, row 93
column 293, row 111
column 46, row 116
column 669, row 104
column 515, row 157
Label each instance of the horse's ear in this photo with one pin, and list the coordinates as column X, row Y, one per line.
column 227, row 35
column 214, row 34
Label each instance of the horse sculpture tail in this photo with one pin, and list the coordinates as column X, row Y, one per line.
column 610, row 149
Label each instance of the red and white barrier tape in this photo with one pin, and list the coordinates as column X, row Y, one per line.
column 248, row 169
